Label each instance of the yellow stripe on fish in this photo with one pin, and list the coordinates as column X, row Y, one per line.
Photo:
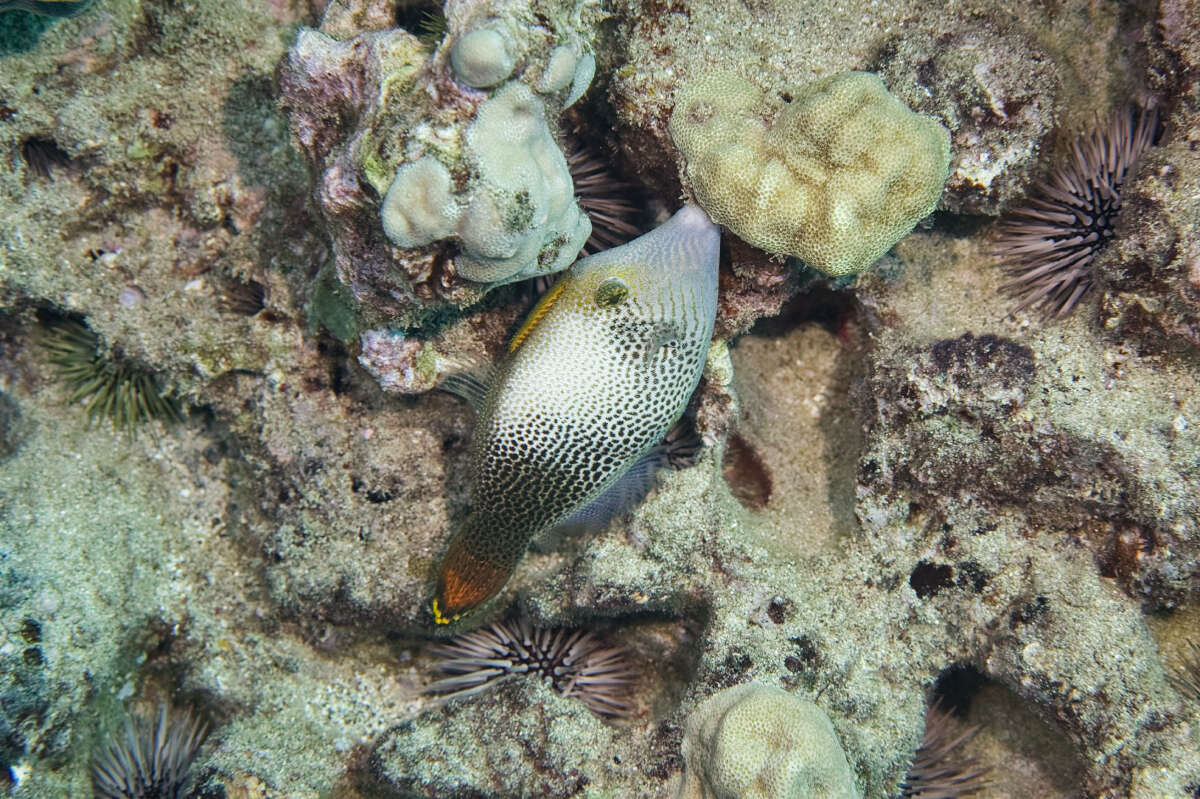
column 535, row 316
column 597, row 375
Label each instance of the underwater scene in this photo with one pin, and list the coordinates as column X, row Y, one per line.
column 613, row 399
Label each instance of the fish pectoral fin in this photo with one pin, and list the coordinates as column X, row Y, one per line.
column 471, row 384
column 622, row 496
column 663, row 336
column 679, row 449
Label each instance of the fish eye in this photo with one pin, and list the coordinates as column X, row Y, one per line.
column 611, row 292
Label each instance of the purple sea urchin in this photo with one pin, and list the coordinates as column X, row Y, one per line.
column 1049, row 243
column 939, row 771
column 574, row 662
column 151, row 761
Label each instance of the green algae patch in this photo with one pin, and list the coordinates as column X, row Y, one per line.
column 20, row 31
column 333, row 308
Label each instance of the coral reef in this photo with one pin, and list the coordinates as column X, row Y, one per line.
column 423, row 176
column 760, row 742
column 1151, row 275
column 994, row 87
column 892, row 465
column 838, row 172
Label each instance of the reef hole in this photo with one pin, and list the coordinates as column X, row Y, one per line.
column 43, row 156
column 746, row 474
column 927, row 579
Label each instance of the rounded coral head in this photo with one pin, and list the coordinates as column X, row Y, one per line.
column 834, row 174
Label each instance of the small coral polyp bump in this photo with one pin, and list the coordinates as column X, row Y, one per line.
column 1050, row 242
column 835, row 176
column 117, row 389
column 483, row 57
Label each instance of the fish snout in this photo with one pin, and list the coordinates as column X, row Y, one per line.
column 692, row 231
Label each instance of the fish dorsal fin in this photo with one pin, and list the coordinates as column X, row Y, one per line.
column 471, row 384
column 537, row 314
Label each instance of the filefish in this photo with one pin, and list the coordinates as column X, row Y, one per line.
column 568, row 428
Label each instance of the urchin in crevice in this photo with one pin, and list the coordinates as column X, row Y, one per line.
column 1186, row 678
column 939, row 769
column 115, row 387
column 1050, row 242
column 152, row 760
column 43, row 156
column 574, row 662
column 610, row 202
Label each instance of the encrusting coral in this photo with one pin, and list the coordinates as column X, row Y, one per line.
column 449, row 154
column 520, row 218
column 835, row 174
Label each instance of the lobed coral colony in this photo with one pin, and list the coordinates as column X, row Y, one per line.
column 761, row 488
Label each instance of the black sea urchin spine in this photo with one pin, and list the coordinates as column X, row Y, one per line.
column 1049, row 243
column 609, row 201
column 116, row 389
column 939, row 769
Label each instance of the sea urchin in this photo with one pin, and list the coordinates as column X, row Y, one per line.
column 610, row 202
column 939, row 769
column 1049, row 243
column 115, row 388
column 1186, row 680
column 151, row 761
column 574, row 662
